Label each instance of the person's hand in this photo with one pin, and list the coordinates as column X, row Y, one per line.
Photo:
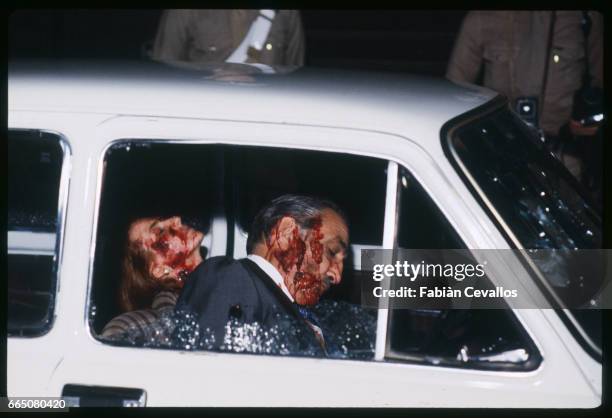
column 579, row 129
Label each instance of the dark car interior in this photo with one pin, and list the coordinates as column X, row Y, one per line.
column 34, row 170
column 199, row 182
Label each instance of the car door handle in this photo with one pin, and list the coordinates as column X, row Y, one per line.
column 82, row 395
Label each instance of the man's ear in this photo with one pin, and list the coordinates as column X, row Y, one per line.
column 284, row 231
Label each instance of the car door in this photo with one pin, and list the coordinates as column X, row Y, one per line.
column 93, row 370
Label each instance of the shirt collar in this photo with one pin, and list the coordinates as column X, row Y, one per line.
column 272, row 272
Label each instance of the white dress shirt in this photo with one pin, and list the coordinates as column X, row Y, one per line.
column 275, row 275
column 271, row 271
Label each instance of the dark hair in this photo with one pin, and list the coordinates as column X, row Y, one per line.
column 304, row 209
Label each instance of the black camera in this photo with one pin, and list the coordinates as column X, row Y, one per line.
column 527, row 109
column 588, row 106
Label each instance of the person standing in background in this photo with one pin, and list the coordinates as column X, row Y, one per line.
column 538, row 59
column 208, row 36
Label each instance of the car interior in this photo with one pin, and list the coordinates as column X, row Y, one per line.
column 218, row 189
column 33, row 191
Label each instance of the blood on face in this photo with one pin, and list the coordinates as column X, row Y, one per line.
column 316, row 248
column 175, row 256
column 308, row 285
column 293, row 255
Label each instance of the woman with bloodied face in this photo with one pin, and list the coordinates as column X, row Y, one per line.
column 159, row 253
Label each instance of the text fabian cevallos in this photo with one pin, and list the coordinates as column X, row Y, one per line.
column 412, row 271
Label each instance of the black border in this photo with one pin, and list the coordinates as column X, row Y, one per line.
column 604, row 410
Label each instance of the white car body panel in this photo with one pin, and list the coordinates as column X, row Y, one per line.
column 375, row 122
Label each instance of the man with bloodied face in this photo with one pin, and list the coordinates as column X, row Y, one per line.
column 306, row 247
column 296, row 246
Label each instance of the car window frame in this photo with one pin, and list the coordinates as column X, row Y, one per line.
column 62, row 210
column 447, row 134
column 389, row 355
column 142, row 140
column 117, row 138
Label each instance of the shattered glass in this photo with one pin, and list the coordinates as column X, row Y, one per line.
column 34, row 170
column 535, row 195
column 33, row 195
column 349, row 332
column 541, row 202
column 533, row 192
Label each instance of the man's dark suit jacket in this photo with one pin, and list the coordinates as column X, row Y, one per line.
column 221, row 289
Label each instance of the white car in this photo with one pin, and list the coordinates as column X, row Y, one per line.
column 413, row 162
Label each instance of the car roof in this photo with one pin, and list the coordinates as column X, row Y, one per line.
column 380, row 101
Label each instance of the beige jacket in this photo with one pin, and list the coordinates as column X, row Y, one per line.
column 510, row 48
column 212, row 35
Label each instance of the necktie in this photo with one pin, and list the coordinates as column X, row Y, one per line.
column 309, row 315
column 312, row 320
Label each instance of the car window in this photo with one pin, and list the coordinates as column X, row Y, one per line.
column 539, row 205
column 34, row 207
column 213, row 185
column 149, row 180
column 474, row 338
column 263, row 174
